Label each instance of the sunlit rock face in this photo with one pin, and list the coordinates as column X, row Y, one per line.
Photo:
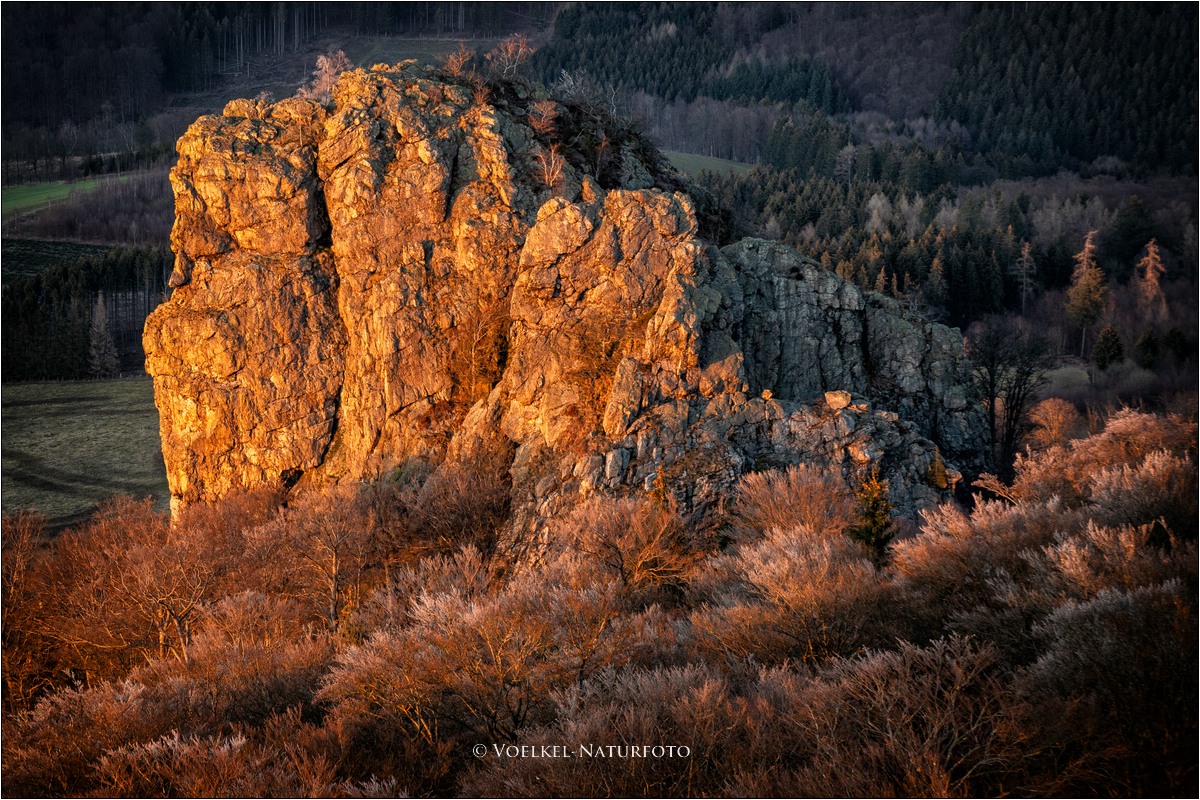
column 393, row 278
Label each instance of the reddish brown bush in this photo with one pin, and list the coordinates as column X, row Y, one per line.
column 800, row 495
column 639, row 543
column 794, row 594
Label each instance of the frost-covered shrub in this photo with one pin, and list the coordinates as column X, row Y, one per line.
column 911, row 722
column 799, row 495
column 687, row 707
column 792, row 594
column 645, row 547
column 1112, row 702
column 1128, row 438
column 1160, row 486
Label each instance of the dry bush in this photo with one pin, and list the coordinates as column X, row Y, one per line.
column 462, row 669
column 914, row 722
column 482, row 665
column 325, row 77
column 460, row 504
column 1055, row 422
column 1067, row 472
column 320, row 551
column 642, row 545
column 286, row 757
column 239, row 672
column 1160, row 487
column 255, row 658
column 27, row 661
column 1078, row 568
column 458, row 662
column 953, row 566
column 687, row 706
column 226, row 519
column 466, row 574
column 793, row 595
column 481, row 93
column 53, row 749
column 128, row 586
column 800, row 495
column 1112, row 702
column 543, row 115
column 550, row 165
column 457, row 64
column 197, row 766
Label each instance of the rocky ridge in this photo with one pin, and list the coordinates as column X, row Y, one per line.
column 406, row 275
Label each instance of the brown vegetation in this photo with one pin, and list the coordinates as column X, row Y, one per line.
column 362, row 642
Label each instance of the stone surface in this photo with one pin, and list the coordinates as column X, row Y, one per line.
column 389, row 277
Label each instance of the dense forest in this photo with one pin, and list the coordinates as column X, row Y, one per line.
column 81, row 316
column 87, row 87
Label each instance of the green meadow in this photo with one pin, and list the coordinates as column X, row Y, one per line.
column 26, row 197
column 69, row 445
column 693, row 164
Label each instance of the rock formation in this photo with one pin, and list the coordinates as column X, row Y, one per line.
column 420, row 271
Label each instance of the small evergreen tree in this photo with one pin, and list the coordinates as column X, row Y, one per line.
column 1109, row 349
column 1146, row 351
column 875, row 528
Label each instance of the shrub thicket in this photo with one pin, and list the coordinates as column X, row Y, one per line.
column 363, row 642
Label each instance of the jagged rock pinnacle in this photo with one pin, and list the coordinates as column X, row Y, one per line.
column 411, row 273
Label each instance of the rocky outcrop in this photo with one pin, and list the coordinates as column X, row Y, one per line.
column 406, row 275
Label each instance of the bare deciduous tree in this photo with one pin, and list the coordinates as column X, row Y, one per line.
column 325, row 77
column 1010, row 364
column 505, row 59
column 550, row 165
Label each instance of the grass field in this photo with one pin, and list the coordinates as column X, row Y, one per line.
column 69, row 445
column 33, row 196
column 693, row 164
column 1067, row 380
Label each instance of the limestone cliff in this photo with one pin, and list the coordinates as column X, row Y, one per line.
column 421, row 271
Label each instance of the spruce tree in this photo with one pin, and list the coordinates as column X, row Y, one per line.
column 1109, row 348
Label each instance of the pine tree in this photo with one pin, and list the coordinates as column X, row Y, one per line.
column 104, row 361
column 1085, row 297
column 875, row 528
column 1152, row 303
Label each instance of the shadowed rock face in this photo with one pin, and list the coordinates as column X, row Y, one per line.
column 391, row 278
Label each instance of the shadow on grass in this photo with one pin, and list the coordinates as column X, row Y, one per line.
column 70, row 445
